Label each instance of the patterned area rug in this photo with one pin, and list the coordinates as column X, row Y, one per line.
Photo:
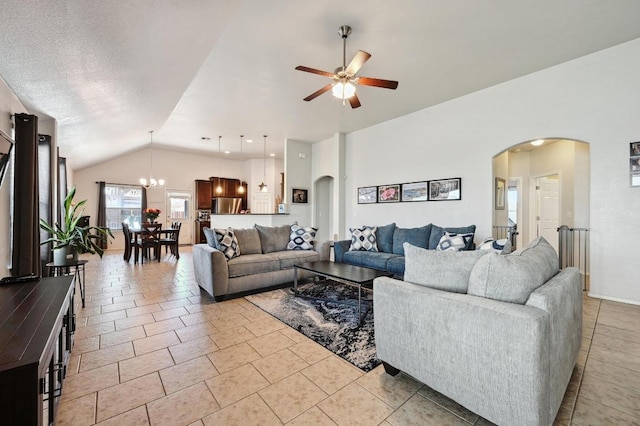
column 327, row 313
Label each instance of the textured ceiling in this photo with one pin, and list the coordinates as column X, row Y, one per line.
column 109, row 71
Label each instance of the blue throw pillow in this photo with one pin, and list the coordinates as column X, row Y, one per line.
column 384, row 238
column 210, row 235
column 418, row 237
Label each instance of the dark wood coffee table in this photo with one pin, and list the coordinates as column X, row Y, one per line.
column 356, row 276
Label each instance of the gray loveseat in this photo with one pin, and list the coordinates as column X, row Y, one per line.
column 499, row 334
column 263, row 260
column 389, row 252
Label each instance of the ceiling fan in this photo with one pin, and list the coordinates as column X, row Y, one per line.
column 345, row 78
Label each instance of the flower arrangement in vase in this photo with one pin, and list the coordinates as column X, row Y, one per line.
column 151, row 214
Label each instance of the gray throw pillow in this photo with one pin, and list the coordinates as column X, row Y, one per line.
column 442, row 270
column 274, row 238
column 210, row 236
column 248, row 240
column 512, row 277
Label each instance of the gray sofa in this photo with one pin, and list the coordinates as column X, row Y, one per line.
column 389, row 239
column 264, row 261
column 499, row 334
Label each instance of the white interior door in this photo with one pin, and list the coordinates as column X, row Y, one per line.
column 262, row 202
column 549, row 208
column 179, row 210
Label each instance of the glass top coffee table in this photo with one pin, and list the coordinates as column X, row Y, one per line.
column 355, row 276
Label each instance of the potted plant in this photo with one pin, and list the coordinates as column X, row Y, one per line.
column 151, row 214
column 71, row 238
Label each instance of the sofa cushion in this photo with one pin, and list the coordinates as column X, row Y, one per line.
column 395, row 265
column 437, row 232
column 302, row 238
column 227, row 242
column 273, row 238
column 454, row 242
column 288, row 258
column 248, row 240
column 418, row 237
column 442, row 270
column 513, row 277
column 363, row 239
column 252, row 264
column 384, row 237
column 369, row 259
column 210, row 236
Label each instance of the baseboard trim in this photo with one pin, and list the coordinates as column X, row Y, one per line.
column 615, row 299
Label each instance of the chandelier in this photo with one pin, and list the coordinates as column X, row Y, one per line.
column 263, row 186
column 151, row 182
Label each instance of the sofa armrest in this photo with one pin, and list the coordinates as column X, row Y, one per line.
column 339, row 249
column 324, row 248
column 463, row 346
column 210, row 270
column 561, row 298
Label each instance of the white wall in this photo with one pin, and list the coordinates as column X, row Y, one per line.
column 329, row 161
column 592, row 99
column 298, row 175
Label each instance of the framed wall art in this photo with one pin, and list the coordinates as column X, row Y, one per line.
column 415, row 191
column 299, row 196
column 368, row 195
column 634, row 163
column 500, row 194
column 445, row 189
column 389, row 193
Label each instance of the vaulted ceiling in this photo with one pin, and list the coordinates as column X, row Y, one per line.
column 109, row 71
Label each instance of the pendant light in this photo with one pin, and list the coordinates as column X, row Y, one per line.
column 241, row 188
column 219, row 187
column 151, row 182
column 263, row 186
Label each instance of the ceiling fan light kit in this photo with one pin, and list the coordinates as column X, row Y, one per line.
column 345, row 78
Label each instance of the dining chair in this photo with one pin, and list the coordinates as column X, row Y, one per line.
column 171, row 240
column 128, row 241
column 149, row 238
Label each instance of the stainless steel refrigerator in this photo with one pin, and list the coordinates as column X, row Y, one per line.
column 226, row 205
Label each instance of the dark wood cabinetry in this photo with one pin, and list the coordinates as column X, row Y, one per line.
column 206, row 190
column 36, row 336
column 200, row 224
column 203, row 194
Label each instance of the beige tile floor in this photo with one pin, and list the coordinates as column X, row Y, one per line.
column 150, row 349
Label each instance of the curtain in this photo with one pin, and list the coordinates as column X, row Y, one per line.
column 26, row 229
column 143, row 202
column 46, row 173
column 62, row 186
column 102, row 211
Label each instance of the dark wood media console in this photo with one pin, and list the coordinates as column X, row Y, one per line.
column 37, row 323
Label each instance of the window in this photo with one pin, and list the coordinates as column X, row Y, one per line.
column 124, row 204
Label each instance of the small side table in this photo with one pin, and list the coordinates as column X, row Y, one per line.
column 70, row 267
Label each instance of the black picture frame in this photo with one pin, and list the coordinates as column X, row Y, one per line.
column 500, row 194
column 445, row 189
column 368, row 195
column 299, row 195
column 389, row 193
column 415, row 191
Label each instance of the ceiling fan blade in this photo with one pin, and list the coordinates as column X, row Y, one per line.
column 377, row 82
column 318, row 92
column 354, row 101
column 314, row 71
column 357, row 62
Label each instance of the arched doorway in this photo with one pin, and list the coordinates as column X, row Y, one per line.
column 546, row 185
column 323, row 207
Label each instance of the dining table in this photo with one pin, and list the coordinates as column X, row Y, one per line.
column 164, row 232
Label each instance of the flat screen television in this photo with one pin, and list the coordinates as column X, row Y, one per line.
column 6, row 145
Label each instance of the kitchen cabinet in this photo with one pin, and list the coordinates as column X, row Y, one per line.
column 203, row 194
